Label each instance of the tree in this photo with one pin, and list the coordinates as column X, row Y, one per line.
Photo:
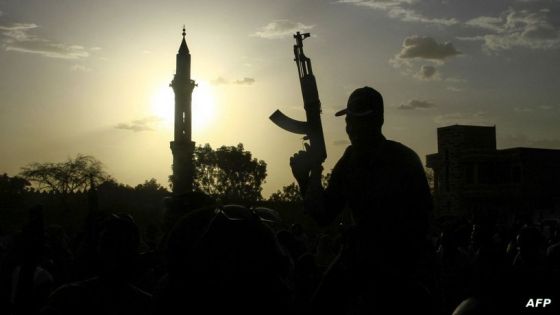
column 74, row 175
column 12, row 190
column 151, row 187
column 229, row 173
column 288, row 193
column 291, row 193
column 13, row 185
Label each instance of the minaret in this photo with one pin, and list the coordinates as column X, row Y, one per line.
column 182, row 145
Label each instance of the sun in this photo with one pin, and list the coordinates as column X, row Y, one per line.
column 203, row 106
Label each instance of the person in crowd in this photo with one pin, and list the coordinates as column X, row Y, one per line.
column 26, row 283
column 111, row 290
column 224, row 260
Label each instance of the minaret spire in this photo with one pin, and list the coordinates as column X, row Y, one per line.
column 184, row 49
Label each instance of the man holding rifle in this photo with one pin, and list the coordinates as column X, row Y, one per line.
column 383, row 185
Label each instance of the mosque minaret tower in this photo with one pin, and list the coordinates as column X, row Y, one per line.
column 182, row 146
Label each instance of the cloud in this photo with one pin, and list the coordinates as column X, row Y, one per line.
column 416, row 104
column 453, row 89
column 19, row 37
column 477, row 118
column 486, row 22
column 427, row 73
column 219, row 81
column 522, row 109
column 281, row 29
column 546, row 107
column 455, row 80
column 224, row 81
column 402, row 10
column 50, row 50
column 527, row 109
column 534, row 29
column 18, row 31
column 423, row 47
column 145, row 124
column 245, row 81
column 80, row 68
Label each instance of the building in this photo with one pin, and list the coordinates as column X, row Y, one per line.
column 473, row 178
column 182, row 146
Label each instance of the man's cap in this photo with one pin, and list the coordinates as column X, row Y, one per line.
column 363, row 102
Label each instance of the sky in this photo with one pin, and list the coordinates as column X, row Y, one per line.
column 92, row 77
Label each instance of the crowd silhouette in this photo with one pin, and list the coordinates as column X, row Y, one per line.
column 229, row 259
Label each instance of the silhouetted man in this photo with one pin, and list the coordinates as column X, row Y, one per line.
column 383, row 185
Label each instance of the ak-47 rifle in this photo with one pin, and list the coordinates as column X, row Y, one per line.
column 312, row 128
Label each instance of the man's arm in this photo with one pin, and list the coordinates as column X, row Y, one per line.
column 323, row 205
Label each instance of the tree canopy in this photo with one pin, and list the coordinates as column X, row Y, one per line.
column 229, row 173
column 73, row 175
column 12, row 185
column 288, row 193
column 12, row 190
column 291, row 193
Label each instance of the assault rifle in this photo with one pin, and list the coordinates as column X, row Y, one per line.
column 312, row 128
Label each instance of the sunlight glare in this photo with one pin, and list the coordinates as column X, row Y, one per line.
column 203, row 106
column 163, row 105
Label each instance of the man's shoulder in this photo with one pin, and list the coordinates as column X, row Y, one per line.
column 390, row 148
column 343, row 161
column 398, row 153
column 346, row 155
column 348, row 150
column 402, row 150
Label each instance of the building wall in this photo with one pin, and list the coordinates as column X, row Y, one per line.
column 473, row 178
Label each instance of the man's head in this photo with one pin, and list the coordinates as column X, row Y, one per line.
column 364, row 115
